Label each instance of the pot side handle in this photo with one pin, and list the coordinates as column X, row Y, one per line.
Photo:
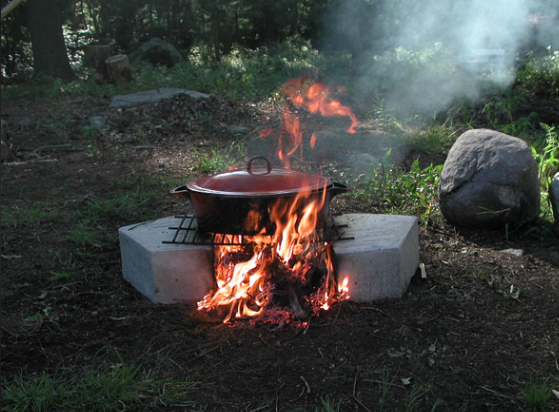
column 181, row 191
column 338, row 188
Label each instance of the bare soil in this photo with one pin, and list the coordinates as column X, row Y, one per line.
column 471, row 333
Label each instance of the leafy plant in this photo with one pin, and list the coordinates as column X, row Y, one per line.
column 398, row 191
column 548, row 156
column 540, row 75
column 434, row 138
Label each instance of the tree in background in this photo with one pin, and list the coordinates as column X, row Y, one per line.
column 218, row 25
column 50, row 57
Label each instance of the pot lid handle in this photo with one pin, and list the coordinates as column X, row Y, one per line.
column 268, row 165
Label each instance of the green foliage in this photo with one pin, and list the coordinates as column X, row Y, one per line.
column 394, row 190
column 63, row 275
column 112, row 386
column 501, row 114
column 536, row 395
column 329, row 404
column 547, row 155
column 407, row 64
column 26, row 215
column 242, row 74
column 540, row 75
column 219, row 159
column 434, row 138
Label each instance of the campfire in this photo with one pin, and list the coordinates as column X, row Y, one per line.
column 291, row 268
column 284, row 267
column 262, row 245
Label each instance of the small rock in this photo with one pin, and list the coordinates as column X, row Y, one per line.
column 155, row 52
column 514, row 252
column 238, row 129
column 98, row 122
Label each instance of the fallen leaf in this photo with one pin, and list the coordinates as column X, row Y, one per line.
column 556, row 393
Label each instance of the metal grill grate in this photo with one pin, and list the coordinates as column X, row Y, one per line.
column 187, row 233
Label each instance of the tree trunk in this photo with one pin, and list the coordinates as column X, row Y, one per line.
column 216, row 31
column 47, row 40
column 95, row 57
column 118, row 68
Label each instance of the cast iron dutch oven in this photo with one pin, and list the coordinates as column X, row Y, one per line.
column 240, row 201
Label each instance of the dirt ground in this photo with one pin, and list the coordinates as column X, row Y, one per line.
column 472, row 333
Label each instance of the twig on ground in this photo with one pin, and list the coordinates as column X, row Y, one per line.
column 375, row 309
column 500, row 395
column 384, row 383
column 144, row 147
column 49, row 147
column 306, row 384
column 554, row 357
column 30, row 161
column 266, row 343
column 355, row 392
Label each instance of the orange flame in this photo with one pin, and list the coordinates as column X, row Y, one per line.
column 245, row 282
column 315, row 97
column 246, row 267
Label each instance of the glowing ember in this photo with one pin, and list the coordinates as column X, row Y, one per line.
column 280, row 269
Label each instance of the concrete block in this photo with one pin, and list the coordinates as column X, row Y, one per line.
column 165, row 273
column 381, row 258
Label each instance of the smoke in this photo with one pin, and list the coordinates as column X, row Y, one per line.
column 422, row 55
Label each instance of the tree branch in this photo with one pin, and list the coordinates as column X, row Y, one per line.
column 8, row 9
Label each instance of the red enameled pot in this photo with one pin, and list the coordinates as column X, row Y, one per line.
column 240, row 201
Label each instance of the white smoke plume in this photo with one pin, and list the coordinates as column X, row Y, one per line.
column 424, row 54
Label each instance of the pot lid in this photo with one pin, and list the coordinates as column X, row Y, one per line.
column 258, row 182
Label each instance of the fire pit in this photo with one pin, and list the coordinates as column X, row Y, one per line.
column 169, row 261
column 277, row 247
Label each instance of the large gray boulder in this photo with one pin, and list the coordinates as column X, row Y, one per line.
column 489, row 179
column 155, row 52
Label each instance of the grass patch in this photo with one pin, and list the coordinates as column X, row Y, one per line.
column 536, row 395
column 26, row 215
column 110, row 387
column 219, row 160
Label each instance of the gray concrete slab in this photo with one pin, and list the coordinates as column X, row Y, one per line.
column 165, row 273
column 379, row 261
